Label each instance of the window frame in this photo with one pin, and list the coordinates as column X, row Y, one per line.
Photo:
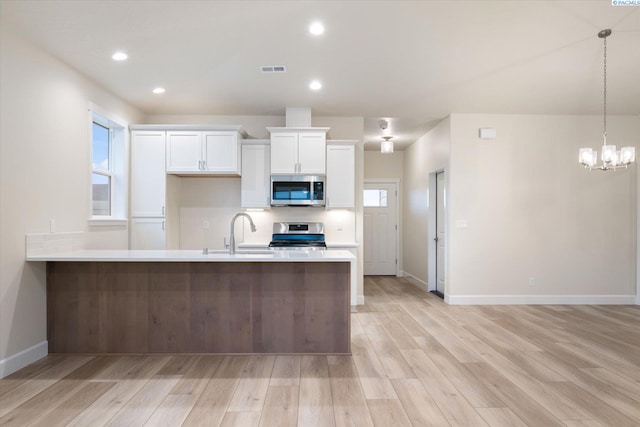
column 117, row 173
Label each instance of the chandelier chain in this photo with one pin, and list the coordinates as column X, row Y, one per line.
column 605, row 91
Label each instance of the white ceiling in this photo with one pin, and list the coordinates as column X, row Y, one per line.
column 410, row 62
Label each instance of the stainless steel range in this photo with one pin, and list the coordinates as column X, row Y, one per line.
column 298, row 235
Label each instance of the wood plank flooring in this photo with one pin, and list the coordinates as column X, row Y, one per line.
column 416, row 361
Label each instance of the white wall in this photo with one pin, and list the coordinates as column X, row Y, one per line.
column 533, row 212
column 428, row 154
column 388, row 166
column 44, row 169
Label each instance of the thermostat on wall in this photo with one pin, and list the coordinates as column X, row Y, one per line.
column 487, row 133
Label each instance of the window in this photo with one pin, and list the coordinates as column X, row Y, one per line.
column 101, row 173
column 108, row 178
column 375, row 198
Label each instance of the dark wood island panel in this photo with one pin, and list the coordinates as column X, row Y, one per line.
column 198, row 307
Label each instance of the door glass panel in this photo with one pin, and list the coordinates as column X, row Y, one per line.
column 375, row 198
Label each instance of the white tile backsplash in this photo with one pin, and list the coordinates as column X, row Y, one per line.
column 216, row 200
column 48, row 243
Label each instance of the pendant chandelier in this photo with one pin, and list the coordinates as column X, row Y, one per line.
column 610, row 158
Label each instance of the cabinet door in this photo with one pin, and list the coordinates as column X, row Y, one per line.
column 148, row 179
column 221, row 152
column 312, row 152
column 148, row 233
column 184, row 152
column 255, row 181
column 340, row 178
column 284, row 152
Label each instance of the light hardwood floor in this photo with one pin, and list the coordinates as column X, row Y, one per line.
column 416, row 361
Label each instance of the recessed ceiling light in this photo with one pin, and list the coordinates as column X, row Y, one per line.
column 315, row 85
column 316, row 28
column 159, row 90
column 119, row 56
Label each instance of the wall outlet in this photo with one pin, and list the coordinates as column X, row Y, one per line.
column 52, row 226
column 205, row 225
column 532, row 281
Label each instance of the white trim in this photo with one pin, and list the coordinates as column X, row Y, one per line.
column 360, row 300
column 637, row 299
column 107, row 222
column 181, row 128
column 298, row 129
column 24, row 358
column 540, row 299
column 414, row 280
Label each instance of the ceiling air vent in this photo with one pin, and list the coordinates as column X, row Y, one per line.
column 273, row 69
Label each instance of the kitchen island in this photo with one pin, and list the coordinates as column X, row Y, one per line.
column 189, row 302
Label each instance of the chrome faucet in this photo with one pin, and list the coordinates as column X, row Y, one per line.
column 232, row 238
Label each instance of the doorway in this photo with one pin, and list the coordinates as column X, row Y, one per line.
column 437, row 232
column 380, row 225
column 440, row 239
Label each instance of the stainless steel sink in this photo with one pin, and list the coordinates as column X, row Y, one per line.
column 242, row 251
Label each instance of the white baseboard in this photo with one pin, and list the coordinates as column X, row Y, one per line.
column 541, row 299
column 26, row 357
column 360, row 299
column 637, row 299
column 414, row 280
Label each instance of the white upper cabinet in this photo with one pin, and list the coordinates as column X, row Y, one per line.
column 255, row 181
column 312, row 152
column 184, row 151
column 340, row 180
column 203, row 152
column 284, row 153
column 298, row 150
column 148, row 181
column 221, row 152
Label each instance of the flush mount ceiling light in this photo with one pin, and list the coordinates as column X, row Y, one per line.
column 387, row 146
column 159, row 90
column 315, row 85
column 119, row 56
column 316, row 28
column 611, row 159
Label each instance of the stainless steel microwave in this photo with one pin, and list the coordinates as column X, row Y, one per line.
column 297, row 190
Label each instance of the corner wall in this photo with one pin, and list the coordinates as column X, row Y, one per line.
column 45, row 174
column 534, row 213
column 428, row 154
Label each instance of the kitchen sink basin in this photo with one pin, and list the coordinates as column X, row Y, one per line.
column 242, row 252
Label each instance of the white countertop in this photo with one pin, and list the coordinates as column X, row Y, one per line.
column 196, row 256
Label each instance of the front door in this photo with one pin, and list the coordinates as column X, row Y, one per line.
column 380, row 228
